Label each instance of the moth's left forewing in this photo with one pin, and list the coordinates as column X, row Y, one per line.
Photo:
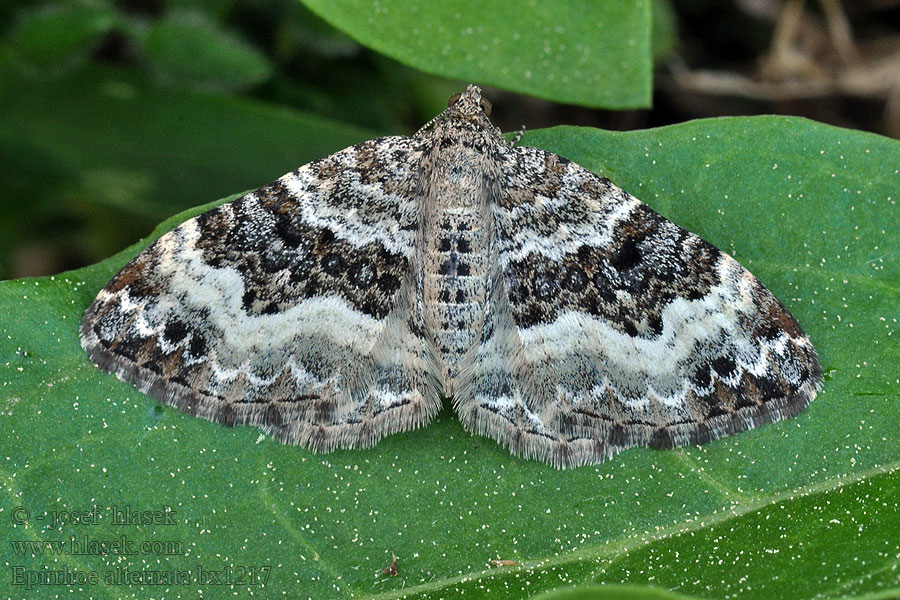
column 292, row 308
column 626, row 329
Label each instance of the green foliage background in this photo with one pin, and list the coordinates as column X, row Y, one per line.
column 801, row 509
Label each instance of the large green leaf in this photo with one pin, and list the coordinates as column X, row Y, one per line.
column 800, row 509
column 573, row 51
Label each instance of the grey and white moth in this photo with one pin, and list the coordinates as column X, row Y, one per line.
column 566, row 319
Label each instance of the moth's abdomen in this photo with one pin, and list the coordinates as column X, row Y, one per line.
column 457, row 275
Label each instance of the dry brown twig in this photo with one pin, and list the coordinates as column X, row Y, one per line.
column 504, row 563
column 808, row 59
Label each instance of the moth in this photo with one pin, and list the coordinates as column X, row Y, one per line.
column 340, row 304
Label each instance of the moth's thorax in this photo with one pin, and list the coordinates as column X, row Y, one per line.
column 458, row 230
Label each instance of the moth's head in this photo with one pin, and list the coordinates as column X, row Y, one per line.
column 469, row 106
column 467, row 114
column 470, row 103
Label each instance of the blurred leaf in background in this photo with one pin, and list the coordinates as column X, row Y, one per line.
column 52, row 38
column 218, row 59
